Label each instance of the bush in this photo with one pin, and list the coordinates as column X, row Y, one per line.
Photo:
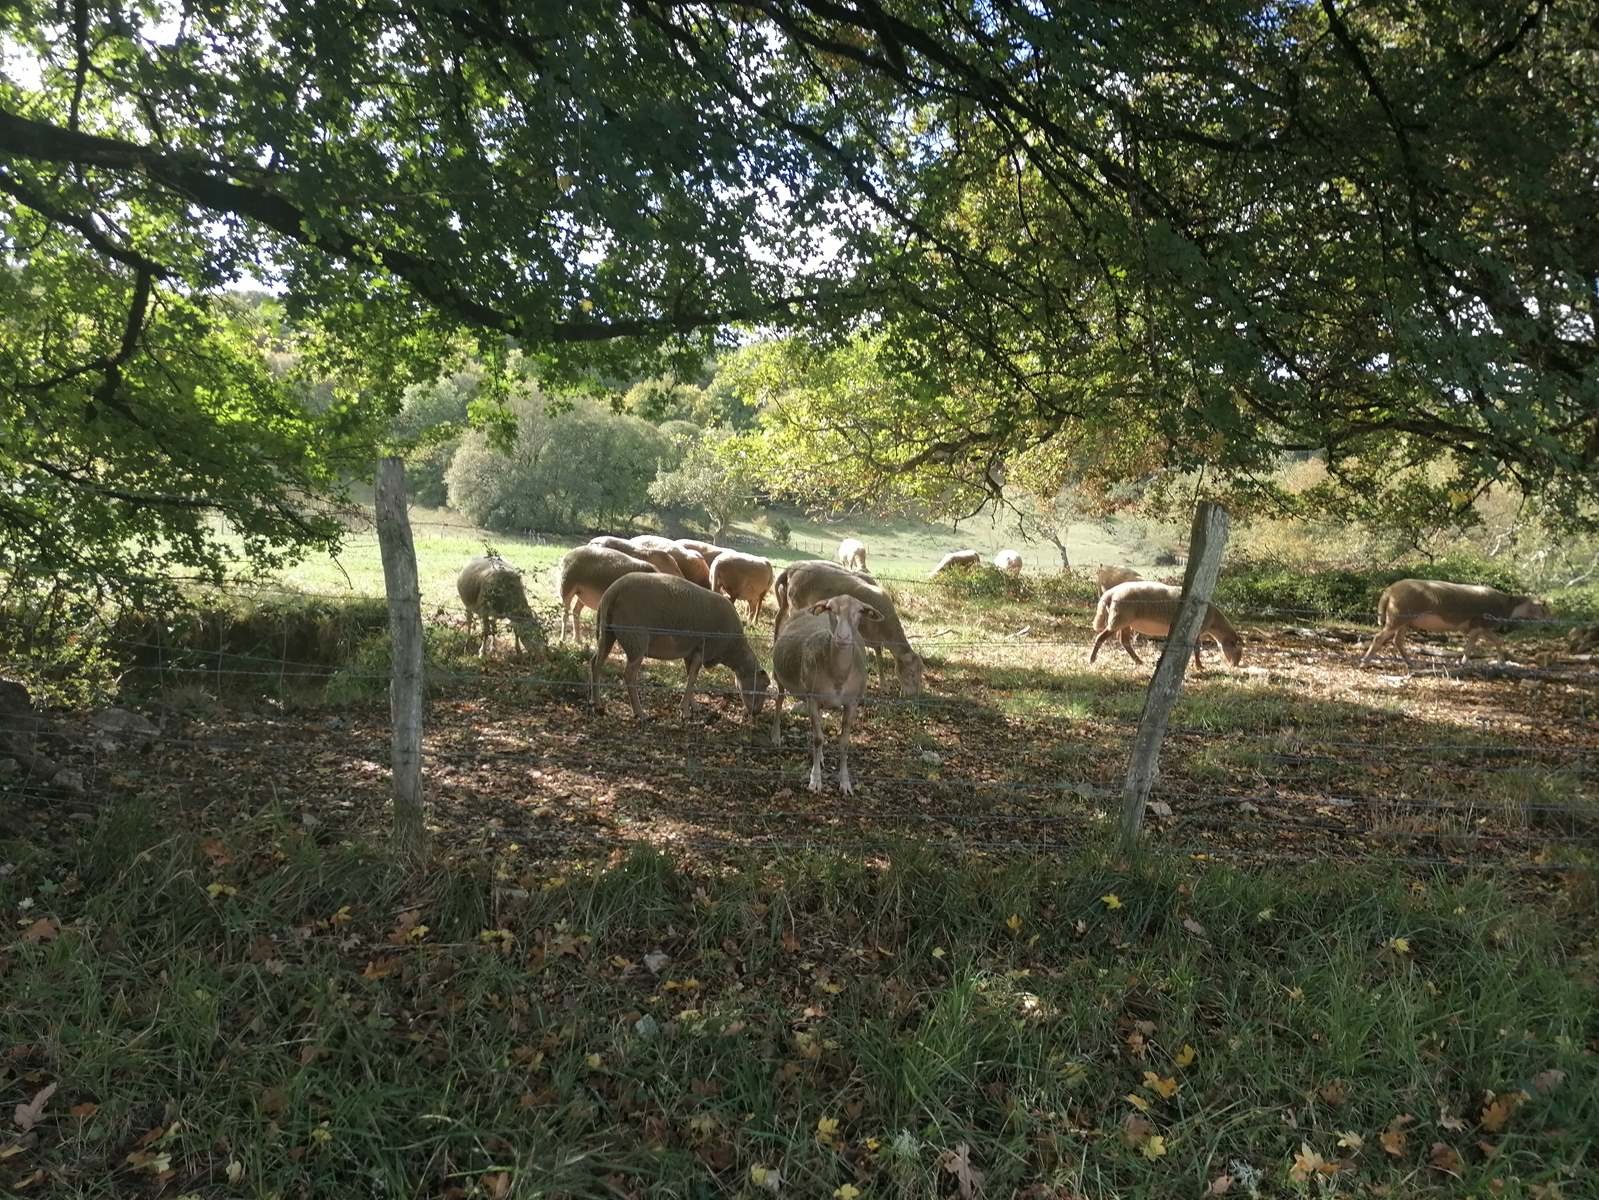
column 1271, row 587
column 582, row 468
column 984, row 583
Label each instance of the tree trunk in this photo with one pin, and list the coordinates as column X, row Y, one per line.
column 405, row 637
column 1205, row 545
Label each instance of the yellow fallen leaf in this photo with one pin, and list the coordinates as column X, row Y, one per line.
column 1399, row 945
column 221, row 889
column 417, row 932
column 1164, row 1088
column 874, row 1144
column 1154, row 1147
column 1013, row 923
column 1350, row 1140
column 938, row 952
column 1137, row 1101
column 1186, row 1056
column 846, row 1191
column 1111, row 900
column 595, row 1062
column 827, row 1130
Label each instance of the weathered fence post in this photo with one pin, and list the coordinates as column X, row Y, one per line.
column 405, row 635
column 1206, row 541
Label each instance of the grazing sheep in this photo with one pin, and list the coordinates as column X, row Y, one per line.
column 852, row 553
column 820, row 656
column 706, row 550
column 1008, row 561
column 743, row 577
column 1109, row 577
column 957, row 558
column 802, row 584
column 1436, row 607
column 659, row 616
column 490, row 587
column 1144, row 606
column 663, row 562
column 690, row 564
column 584, row 575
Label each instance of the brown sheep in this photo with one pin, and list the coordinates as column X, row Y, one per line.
column 743, row 577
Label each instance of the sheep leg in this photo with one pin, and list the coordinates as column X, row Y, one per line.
column 602, row 650
column 488, row 636
column 1098, row 642
column 634, row 666
column 691, row 666
column 1126, row 640
column 1199, row 663
column 816, row 743
column 844, row 785
column 1402, row 647
column 777, row 716
column 1384, row 636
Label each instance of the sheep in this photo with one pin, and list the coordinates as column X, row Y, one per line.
column 1147, row 607
column 1109, row 577
column 957, row 558
column 743, row 577
column 662, row 561
column 690, row 564
column 661, row 616
column 1008, row 561
column 852, row 553
column 706, row 550
column 583, row 576
column 802, row 584
column 820, row 655
column 1435, row 606
column 490, row 587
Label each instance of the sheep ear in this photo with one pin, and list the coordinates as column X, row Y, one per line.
column 870, row 614
column 820, row 607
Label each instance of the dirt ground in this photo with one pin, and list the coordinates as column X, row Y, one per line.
column 1300, row 753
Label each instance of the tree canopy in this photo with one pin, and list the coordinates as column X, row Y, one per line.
column 1221, row 228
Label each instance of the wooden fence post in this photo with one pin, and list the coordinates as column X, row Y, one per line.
column 405, row 636
column 1206, row 541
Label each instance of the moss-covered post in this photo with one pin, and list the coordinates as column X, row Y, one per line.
column 405, row 636
column 1206, row 542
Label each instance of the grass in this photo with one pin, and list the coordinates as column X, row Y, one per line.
column 247, row 1003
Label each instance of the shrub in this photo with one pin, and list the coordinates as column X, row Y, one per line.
column 1270, row 587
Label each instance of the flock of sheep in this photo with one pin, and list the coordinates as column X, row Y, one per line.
column 664, row 598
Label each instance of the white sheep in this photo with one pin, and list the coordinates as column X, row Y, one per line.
column 583, row 576
column 1008, row 561
column 691, row 565
column 802, row 584
column 820, row 656
column 663, row 616
column 745, row 577
column 663, row 561
column 962, row 559
column 706, row 550
column 852, row 553
column 1146, row 607
column 1109, row 577
column 1434, row 606
column 490, row 587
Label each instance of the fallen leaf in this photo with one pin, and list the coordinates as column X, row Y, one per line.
column 1350, row 1140
column 497, row 1184
column 27, row 1181
column 1013, row 923
column 1154, row 1147
column 1445, row 1158
column 1185, row 1057
column 766, row 1177
column 827, row 1130
column 1335, row 1093
column 1399, row 945
column 1450, row 1122
column 1393, row 1138
column 595, row 1062
column 846, row 1191
column 958, row 1162
column 1306, row 1163
column 12, row 1149
column 381, row 968
column 45, row 929
column 1111, row 900
column 215, row 890
column 1136, row 1130
column 1497, row 1111
column 85, row 1110
column 1198, row 930
column 1164, row 1088
column 1137, row 1101
column 1220, row 1186
column 1548, row 1081
column 235, row 1171
column 26, row 1116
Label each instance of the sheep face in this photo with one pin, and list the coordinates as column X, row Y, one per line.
column 1530, row 610
column 844, row 617
column 755, row 697
column 1232, row 649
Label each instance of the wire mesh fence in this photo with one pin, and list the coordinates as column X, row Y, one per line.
column 1017, row 745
